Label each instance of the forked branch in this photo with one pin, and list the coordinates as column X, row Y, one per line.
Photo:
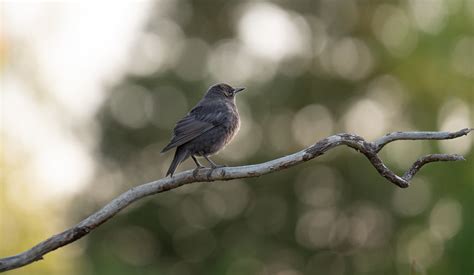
column 369, row 149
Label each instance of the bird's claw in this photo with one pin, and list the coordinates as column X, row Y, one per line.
column 196, row 170
column 213, row 167
column 209, row 173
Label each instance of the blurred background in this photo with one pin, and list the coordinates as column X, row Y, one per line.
column 90, row 92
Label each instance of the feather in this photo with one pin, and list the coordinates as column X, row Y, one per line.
column 194, row 124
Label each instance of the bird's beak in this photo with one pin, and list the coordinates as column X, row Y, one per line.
column 236, row 90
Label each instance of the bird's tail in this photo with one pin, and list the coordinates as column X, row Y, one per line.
column 179, row 156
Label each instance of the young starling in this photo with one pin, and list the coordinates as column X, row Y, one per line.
column 207, row 128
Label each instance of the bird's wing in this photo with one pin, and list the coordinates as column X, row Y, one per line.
column 194, row 124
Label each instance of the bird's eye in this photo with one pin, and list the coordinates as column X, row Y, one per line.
column 228, row 94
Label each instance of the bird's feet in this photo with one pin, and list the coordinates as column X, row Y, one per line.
column 218, row 166
column 196, row 170
column 213, row 164
column 213, row 167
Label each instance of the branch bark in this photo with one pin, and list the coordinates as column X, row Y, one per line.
column 369, row 149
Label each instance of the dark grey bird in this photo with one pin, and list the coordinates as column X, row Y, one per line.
column 207, row 128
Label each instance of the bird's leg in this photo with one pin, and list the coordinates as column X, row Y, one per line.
column 213, row 164
column 199, row 165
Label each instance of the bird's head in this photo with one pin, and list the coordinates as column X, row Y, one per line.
column 223, row 91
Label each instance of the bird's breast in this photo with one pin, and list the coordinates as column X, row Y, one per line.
column 233, row 126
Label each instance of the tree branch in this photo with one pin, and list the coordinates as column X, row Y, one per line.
column 369, row 149
column 381, row 142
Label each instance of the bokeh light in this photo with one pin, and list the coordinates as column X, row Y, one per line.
column 462, row 56
column 131, row 106
column 446, row 219
column 413, row 201
column 366, row 117
column 312, row 123
column 351, row 58
column 271, row 32
column 429, row 16
column 393, row 28
column 454, row 113
column 90, row 93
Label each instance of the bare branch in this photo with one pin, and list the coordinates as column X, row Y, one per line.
column 368, row 149
column 427, row 159
column 381, row 142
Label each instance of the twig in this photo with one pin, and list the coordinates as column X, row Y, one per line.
column 381, row 142
column 369, row 149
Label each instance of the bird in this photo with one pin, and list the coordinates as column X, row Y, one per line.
column 207, row 128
